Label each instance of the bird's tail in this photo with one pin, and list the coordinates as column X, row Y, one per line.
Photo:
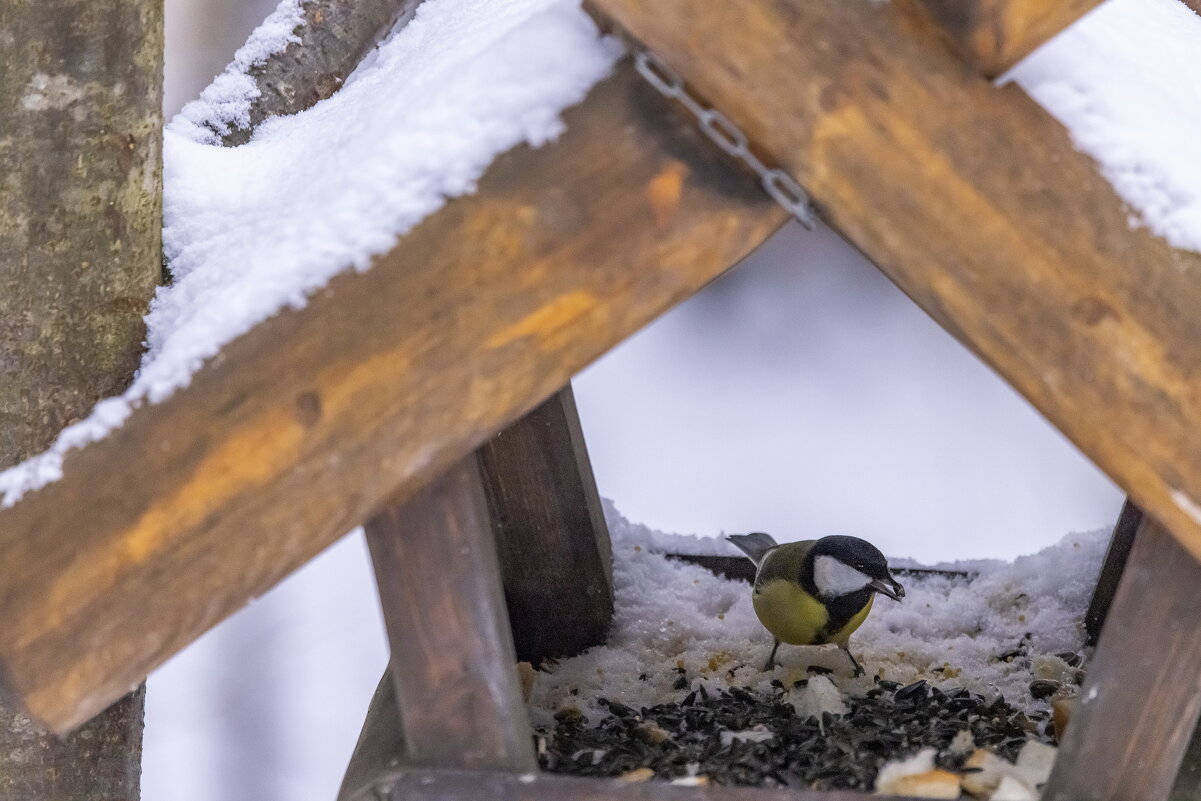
column 754, row 545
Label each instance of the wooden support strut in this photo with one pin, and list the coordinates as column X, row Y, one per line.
column 1142, row 698
column 552, row 541
column 452, row 653
column 555, row 562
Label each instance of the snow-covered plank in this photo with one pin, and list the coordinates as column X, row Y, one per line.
column 304, row 426
column 453, row 664
column 993, row 35
column 1141, row 701
column 975, row 202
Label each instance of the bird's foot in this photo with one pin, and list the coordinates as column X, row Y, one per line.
column 771, row 658
column 854, row 663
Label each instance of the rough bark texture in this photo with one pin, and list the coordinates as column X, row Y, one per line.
column 80, row 90
column 333, row 39
column 80, row 215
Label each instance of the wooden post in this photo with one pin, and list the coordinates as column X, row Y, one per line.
column 1142, row 698
column 453, row 664
column 1116, row 555
column 556, row 560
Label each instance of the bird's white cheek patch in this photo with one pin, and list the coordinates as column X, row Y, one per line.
column 833, row 577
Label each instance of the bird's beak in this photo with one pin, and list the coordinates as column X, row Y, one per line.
column 889, row 587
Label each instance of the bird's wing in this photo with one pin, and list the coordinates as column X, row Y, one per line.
column 784, row 562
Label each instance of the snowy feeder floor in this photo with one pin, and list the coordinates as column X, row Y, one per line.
column 967, row 681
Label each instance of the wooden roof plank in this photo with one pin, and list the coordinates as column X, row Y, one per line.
column 994, row 35
column 301, row 429
column 975, row 202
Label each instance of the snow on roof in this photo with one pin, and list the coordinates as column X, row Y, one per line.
column 986, row 634
column 255, row 229
column 1124, row 81
column 251, row 230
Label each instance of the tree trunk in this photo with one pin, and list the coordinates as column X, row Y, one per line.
column 80, row 222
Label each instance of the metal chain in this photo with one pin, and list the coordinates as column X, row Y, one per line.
column 726, row 135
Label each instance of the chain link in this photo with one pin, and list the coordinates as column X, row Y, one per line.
column 726, row 135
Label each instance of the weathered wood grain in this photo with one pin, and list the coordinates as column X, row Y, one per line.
column 304, row 426
column 453, row 666
column 993, row 35
column 1121, row 541
column 550, row 532
column 471, row 786
column 1142, row 698
column 973, row 200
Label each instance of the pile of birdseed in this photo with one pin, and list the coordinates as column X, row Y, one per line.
column 679, row 690
column 740, row 736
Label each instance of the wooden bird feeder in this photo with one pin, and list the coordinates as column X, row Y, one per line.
column 456, row 444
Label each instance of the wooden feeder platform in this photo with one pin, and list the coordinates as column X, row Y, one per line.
column 458, row 445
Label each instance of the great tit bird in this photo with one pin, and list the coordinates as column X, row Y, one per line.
column 816, row 591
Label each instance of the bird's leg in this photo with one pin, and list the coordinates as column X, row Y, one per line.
column 858, row 668
column 771, row 660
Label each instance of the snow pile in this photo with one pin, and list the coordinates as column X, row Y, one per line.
column 1123, row 80
column 677, row 627
column 254, row 229
column 225, row 104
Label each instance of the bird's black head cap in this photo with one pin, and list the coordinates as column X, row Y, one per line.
column 852, row 551
column 867, row 565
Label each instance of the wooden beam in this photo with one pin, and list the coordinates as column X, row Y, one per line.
column 453, row 666
column 553, row 544
column 975, row 202
column 994, row 35
column 1142, row 698
column 431, row 785
column 305, row 425
column 1121, row 542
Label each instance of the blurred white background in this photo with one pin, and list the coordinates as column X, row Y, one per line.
column 801, row 395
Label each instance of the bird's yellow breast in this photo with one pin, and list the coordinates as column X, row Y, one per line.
column 797, row 618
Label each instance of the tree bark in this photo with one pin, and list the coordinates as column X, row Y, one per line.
column 331, row 41
column 80, row 222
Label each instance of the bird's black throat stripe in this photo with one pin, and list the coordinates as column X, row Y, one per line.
column 841, row 610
